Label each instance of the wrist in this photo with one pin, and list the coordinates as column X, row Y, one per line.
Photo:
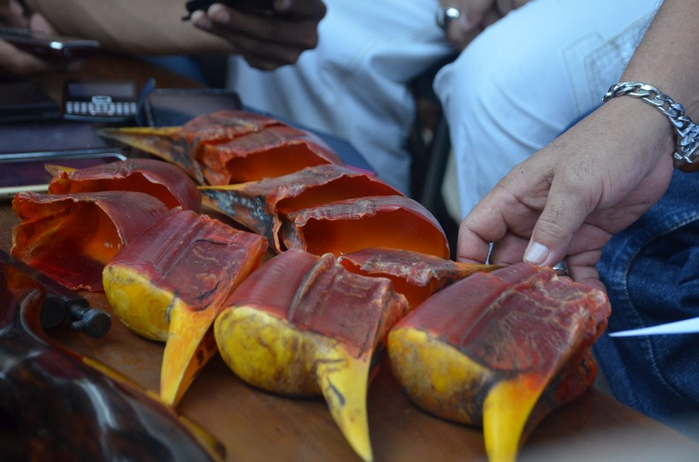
column 638, row 136
column 686, row 153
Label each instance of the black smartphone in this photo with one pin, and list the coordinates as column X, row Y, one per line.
column 246, row 6
column 24, row 101
column 167, row 107
column 49, row 46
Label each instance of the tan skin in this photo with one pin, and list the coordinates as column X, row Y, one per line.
column 570, row 198
column 263, row 42
column 574, row 193
column 15, row 61
column 155, row 27
column 475, row 15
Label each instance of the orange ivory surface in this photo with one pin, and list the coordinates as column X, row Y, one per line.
column 70, row 237
column 158, row 178
column 379, row 221
column 276, row 151
column 257, row 205
column 319, row 295
column 228, row 147
column 500, row 318
column 193, row 256
column 415, row 275
column 224, row 125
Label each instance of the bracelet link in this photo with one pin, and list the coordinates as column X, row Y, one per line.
column 686, row 158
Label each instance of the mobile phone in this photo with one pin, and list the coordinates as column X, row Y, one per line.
column 24, row 101
column 49, row 46
column 103, row 101
column 246, row 6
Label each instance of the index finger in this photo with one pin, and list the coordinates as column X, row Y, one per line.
column 471, row 246
column 487, row 223
column 565, row 211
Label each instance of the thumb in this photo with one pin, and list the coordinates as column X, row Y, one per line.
column 563, row 214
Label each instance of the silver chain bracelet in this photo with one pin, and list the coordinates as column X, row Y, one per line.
column 686, row 158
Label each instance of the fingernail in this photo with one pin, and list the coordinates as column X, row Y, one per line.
column 219, row 14
column 536, row 253
column 200, row 20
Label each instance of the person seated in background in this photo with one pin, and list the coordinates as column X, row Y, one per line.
column 528, row 76
column 354, row 84
column 604, row 197
column 156, row 28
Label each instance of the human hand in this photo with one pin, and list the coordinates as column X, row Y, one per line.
column 266, row 41
column 13, row 60
column 567, row 200
column 474, row 16
column 12, row 14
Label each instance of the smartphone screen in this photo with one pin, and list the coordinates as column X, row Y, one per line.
column 24, row 101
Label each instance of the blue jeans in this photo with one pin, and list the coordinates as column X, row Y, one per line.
column 651, row 271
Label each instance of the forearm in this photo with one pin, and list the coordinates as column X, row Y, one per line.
column 668, row 56
column 131, row 26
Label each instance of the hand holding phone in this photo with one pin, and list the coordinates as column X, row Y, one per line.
column 295, row 26
column 16, row 58
column 48, row 46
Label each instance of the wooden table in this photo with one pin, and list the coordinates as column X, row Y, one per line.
column 257, row 426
